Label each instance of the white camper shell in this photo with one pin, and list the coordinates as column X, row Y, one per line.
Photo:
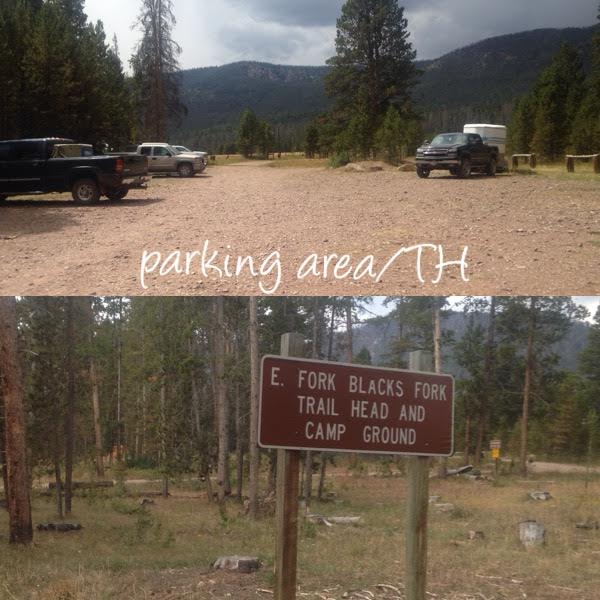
column 493, row 135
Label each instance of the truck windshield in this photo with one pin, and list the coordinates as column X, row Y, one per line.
column 449, row 139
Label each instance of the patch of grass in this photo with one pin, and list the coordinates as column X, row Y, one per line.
column 583, row 172
column 298, row 163
column 224, row 160
column 128, row 553
column 339, row 160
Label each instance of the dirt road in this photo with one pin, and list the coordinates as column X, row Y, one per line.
column 526, row 235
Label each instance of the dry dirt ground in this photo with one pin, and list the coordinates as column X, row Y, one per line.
column 526, row 234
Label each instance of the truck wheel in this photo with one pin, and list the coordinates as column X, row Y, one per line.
column 454, row 171
column 464, row 170
column 185, row 170
column 86, row 191
column 423, row 172
column 116, row 195
column 492, row 167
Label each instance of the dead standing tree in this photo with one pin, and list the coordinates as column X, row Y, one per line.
column 222, row 401
column 254, row 392
column 19, row 504
column 70, row 412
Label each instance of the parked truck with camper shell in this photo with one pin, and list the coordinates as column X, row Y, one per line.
column 492, row 135
column 49, row 165
column 459, row 153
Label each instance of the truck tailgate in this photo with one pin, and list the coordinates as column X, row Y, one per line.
column 135, row 165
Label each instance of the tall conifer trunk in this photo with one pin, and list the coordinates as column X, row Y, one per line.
column 19, row 503
column 529, row 369
column 221, row 400
column 487, row 383
column 254, row 391
column 70, row 407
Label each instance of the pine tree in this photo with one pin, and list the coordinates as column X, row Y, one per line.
column 311, row 144
column 12, row 384
column 558, row 94
column 374, row 64
column 535, row 324
column 155, row 67
column 49, row 72
column 266, row 138
column 590, row 365
column 249, row 134
column 521, row 129
column 390, row 137
column 569, row 415
column 586, row 126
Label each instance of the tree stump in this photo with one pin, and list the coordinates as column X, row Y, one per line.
column 239, row 564
column 542, row 496
column 532, row 534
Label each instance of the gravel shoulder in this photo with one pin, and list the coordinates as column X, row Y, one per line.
column 526, row 235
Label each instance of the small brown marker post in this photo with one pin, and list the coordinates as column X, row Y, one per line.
column 288, row 490
column 417, row 506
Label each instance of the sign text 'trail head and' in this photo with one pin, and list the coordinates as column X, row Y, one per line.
column 325, row 406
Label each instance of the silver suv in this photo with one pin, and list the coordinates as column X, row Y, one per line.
column 163, row 158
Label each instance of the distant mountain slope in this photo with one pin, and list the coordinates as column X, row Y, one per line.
column 378, row 334
column 480, row 82
column 288, row 97
column 476, row 83
column 216, row 95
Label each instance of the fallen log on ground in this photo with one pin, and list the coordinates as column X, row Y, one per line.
column 85, row 485
column 60, row 527
column 331, row 521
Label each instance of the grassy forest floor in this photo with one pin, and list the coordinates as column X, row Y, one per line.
column 165, row 551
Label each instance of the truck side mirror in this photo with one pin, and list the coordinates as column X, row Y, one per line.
column 426, row 142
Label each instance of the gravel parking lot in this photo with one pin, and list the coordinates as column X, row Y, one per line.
column 526, row 234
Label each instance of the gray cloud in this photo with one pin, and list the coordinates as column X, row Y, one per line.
column 303, row 31
column 437, row 26
column 270, row 42
column 306, row 13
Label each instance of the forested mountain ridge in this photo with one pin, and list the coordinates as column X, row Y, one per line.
column 288, row 97
column 479, row 82
column 377, row 336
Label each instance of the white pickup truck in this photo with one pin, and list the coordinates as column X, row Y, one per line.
column 184, row 150
column 164, row 158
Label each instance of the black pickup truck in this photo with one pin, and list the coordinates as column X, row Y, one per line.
column 459, row 153
column 59, row 165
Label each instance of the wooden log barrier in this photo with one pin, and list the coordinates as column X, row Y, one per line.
column 571, row 158
column 530, row 159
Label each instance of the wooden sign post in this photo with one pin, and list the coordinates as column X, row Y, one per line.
column 326, row 406
column 288, row 489
column 417, row 506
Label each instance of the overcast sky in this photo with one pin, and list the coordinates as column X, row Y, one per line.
column 302, row 32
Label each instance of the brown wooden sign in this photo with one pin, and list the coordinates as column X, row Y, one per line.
column 324, row 406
